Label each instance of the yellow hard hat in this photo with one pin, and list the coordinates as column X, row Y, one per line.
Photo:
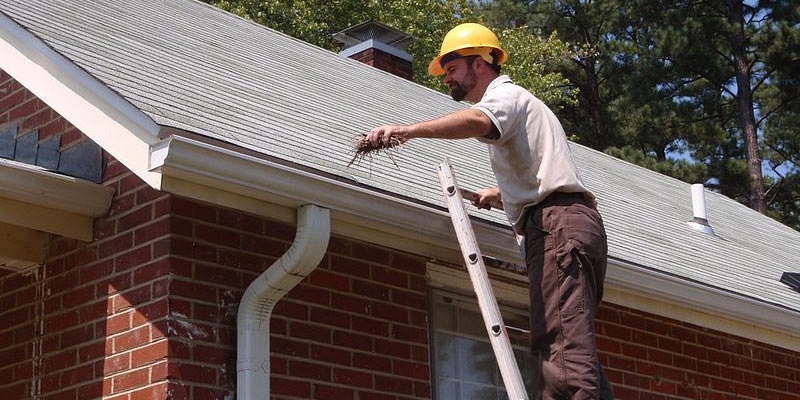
column 466, row 40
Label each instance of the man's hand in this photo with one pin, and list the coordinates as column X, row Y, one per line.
column 487, row 197
column 383, row 134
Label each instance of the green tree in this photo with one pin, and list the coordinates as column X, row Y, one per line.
column 713, row 79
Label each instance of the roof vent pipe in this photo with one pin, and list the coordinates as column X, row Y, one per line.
column 700, row 220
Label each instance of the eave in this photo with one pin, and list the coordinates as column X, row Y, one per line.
column 34, row 201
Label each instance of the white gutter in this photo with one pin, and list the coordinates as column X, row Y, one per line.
column 255, row 309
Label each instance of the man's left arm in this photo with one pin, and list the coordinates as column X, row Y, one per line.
column 461, row 124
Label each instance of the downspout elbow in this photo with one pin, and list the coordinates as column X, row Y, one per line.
column 260, row 297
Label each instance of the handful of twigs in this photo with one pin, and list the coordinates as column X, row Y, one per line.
column 365, row 149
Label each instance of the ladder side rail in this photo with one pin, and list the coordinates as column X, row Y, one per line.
column 495, row 328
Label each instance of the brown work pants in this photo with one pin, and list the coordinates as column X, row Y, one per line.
column 565, row 251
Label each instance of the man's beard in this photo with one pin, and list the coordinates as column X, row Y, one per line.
column 459, row 91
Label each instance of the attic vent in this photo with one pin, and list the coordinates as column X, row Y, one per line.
column 792, row 280
column 700, row 220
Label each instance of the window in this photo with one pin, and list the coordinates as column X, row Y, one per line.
column 463, row 360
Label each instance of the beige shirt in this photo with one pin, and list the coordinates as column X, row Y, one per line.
column 531, row 158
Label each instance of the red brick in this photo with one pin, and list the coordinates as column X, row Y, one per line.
column 92, row 351
column 113, row 169
column 377, row 396
column 240, row 260
column 135, row 218
column 390, row 277
column 314, row 371
column 134, row 338
column 278, row 366
column 131, row 380
column 77, row 375
column 191, row 330
column 9, row 102
column 152, row 231
column 291, row 309
column 262, row 245
column 389, row 312
column 116, row 245
column 193, row 373
column 372, row 362
column 352, row 378
column 95, row 271
column 349, row 266
column 411, row 264
column 392, row 348
column 70, row 136
column 317, row 333
column 410, row 334
column 289, row 387
column 151, row 271
column 132, row 258
column 194, row 210
column 409, row 299
column 322, row 392
column 371, row 289
column 394, row 384
column 330, row 280
column 93, row 311
column 113, row 285
column 370, row 326
column 56, row 323
column 192, row 290
column 210, row 355
column 331, row 318
column 633, row 350
column 288, row 347
column 310, row 294
column 330, row 354
column 350, row 303
column 76, row 336
column 352, row 340
column 37, row 120
column 411, row 369
column 221, row 276
column 52, row 128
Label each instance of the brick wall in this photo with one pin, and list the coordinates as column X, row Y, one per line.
column 650, row 357
column 354, row 329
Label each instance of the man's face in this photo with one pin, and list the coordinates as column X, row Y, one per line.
column 460, row 76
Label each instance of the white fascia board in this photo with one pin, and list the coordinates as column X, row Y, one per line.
column 34, row 198
column 35, row 185
column 205, row 164
column 101, row 114
column 643, row 282
column 182, row 160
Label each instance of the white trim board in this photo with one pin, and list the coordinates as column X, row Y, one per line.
column 101, row 114
column 35, row 198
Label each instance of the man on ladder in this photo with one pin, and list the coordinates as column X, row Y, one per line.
column 543, row 197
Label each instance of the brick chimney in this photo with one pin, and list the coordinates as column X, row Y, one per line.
column 378, row 45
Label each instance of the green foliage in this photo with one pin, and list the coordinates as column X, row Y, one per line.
column 531, row 55
column 666, row 76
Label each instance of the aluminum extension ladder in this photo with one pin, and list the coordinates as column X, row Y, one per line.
column 495, row 328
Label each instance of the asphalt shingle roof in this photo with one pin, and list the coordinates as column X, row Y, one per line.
column 190, row 66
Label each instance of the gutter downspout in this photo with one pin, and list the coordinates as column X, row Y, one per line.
column 255, row 308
